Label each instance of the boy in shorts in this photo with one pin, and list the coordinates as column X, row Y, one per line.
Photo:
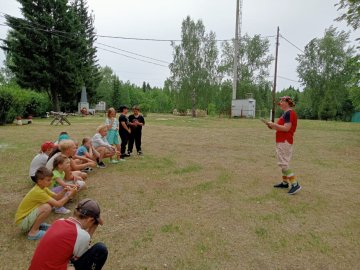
column 37, row 204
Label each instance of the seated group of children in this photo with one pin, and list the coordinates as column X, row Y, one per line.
column 60, row 169
column 59, row 172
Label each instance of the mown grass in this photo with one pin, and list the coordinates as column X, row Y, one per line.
column 202, row 196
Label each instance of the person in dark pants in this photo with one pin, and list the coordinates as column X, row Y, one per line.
column 65, row 245
column 124, row 131
column 136, row 122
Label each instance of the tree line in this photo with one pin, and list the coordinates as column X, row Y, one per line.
column 51, row 50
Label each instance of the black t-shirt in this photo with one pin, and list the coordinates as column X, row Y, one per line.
column 139, row 118
column 123, row 118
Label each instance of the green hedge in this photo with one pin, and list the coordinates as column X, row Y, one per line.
column 15, row 101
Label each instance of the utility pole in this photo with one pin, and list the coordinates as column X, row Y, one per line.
column 236, row 46
column 275, row 75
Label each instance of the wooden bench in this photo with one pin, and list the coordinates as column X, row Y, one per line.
column 59, row 118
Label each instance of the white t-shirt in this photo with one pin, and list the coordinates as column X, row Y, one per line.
column 50, row 163
column 98, row 141
column 38, row 161
column 115, row 124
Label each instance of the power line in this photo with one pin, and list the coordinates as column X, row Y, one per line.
column 57, row 34
column 291, row 43
column 139, row 38
column 131, row 57
column 284, row 78
column 132, row 53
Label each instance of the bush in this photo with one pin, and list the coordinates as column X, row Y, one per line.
column 15, row 101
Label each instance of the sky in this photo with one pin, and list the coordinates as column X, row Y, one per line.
column 299, row 20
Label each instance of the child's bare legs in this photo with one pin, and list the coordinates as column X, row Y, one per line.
column 44, row 211
column 118, row 148
column 101, row 150
column 78, row 175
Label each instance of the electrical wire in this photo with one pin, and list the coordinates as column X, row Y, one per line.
column 131, row 57
column 284, row 78
column 61, row 35
column 291, row 43
column 112, row 47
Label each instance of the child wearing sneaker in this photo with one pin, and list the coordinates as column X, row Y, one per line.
column 37, row 203
column 124, row 131
column 112, row 135
column 285, row 129
column 61, row 163
column 136, row 122
column 101, row 145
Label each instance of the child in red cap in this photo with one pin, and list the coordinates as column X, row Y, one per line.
column 41, row 158
column 285, row 129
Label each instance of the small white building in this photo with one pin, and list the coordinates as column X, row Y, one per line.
column 243, row 108
column 101, row 106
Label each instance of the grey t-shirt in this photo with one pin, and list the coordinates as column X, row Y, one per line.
column 38, row 161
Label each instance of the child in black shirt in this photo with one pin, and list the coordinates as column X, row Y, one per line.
column 124, row 130
column 136, row 122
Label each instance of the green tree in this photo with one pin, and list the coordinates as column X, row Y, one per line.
column 125, row 89
column 352, row 12
column 104, row 91
column 324, row 69
column 89, row 69
column 46, row 48
column 253, row 68
column 193, row 66
column 354, row 84
column 116, row 99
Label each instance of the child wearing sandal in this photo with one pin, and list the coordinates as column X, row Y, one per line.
column 37, row 204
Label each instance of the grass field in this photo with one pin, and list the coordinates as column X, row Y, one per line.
column 202, row 196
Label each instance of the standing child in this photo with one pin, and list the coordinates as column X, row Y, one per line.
column 124, row 131
column 113, row 128
column 136, row 122
column 61, row 164
column 285, row 129
column 40, row 159
column 37, row 203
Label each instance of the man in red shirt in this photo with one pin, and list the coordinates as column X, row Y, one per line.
column 65, row 245
column 285, row 129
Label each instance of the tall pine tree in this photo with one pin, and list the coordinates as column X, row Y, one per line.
column 89, row 71
column 48, row 50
